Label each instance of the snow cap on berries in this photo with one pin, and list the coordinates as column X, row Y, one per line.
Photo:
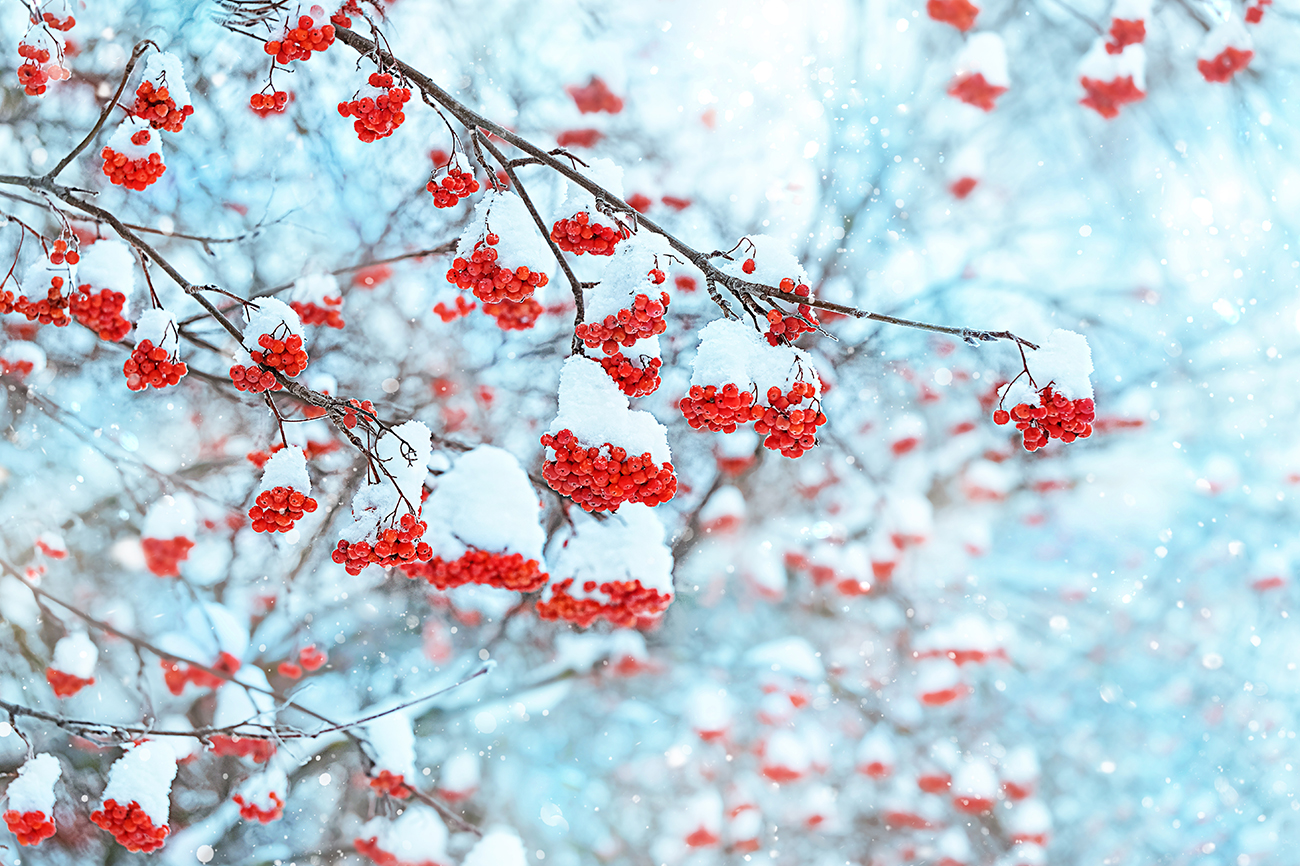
column 416, row 836
column 268, row 318
column 33, row 790
column 519, row 244
column 20, row 356
column 1063, row 361
column 986, row 54
column 75, row 654
column 626, row 275
column 123, row 139
column 1228, row 34
column 144, row 775
column 731, row 352
column 596, row 411
column 499, row 847
column 314, row 289
column 394, row 744
column 625, row 546
column 262, row 791
column 286, row 468
column 164, row 66
column 159, row 328
column 487, row 502
column 404, row 451
column 171, row 517
column 1101, row 65
column 107, row 264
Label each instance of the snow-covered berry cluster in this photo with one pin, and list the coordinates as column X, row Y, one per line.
column 644, row 319
column 377, row 108
column 580, row 228
column 168, row 534
column 302, row 36
column 177, row 674
column 285, row 492
column 261, row 798
column 1063, row 408
column 395, row 545
column 162, row 100
column 41, row 51
column 618, row 570
column 53, row 275
column 386, row 528
column 136, row 807
column 505, row 571
column 458, row 184
column 133, row 156
column 282, row 351
column 317, row 300
column 273, row 340
column 981, row 74
column 73, row 665
column 154, row 361
column 579, row 234
column 256, row 749
column 101, row 312
column 635, row 377
column 30, row 815
column 1226, row 50
column 491, row 282
column 603, row 477
column 775, row 387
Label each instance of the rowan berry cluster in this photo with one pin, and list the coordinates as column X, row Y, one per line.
column 279, row 508
column 377, row 116
column 151, row 365
column 163, row 556
column 959, row 13
column 717, row 409
column 447, row 314
column 133, row 174
column 35, row 72
column 66, row 685
column 785, row 428
column 391, row 784
column 974, row 89
column 314, row 314
column 101, row 312
column 395, row 546
column 632, row 380
column 250, row 811
column 1225, row 64
column 644, row 319
column 350, row 413
column 155, row 105
column 512, row 316
column 603, row 478
column 285, row 354
column 31, row 828
column 1055, row 417
column 299, row 42
column 130, row 826
column 455, row 186
column 1255, row 13
column 579, row 234
column 50, row 310
column 504, row 571
column 61, row 24
column 628, row 601
column 260, row 751
column 1125, row 32
column 312, row 658
column 489, row 281
column 253, row 379
column 275, row 102
column 177, row 674
column 1106, row 97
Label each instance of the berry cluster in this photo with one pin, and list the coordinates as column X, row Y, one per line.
column 31, row 828
column 512, row 316
column 250, row 811
column 350, row 413
column 1106, row 97
column 253, row 379
column 395, row 546
column 243, row 747
column 632, row 380
column 490, row 282
column 785, row 328
column 975, row 90
column 792, row 431
column 1055, row 417
column 1125, row 32
column 378, row 116
column 66, row 685
column 1225, row 64
column 130, row 826
column 628, row 601
column 1255, row 14
column 644, row 319
column 718, row 409
column 603, row 478
column 279, row 508
column 133, row 174
column 101, row 312
column 959, row 13
column 275, row 102
column 163, row 556
column 284, row 354
column 50, row 310
column 391, row 784
column 455, row 186
column 177, row 674
column 512, row 571
column 64, row 24
column 35, row 72
column 314, row 314
column 312, row 658
column 157, row 106
column 299, row 42
column 152, row 365
column 447, row 314
column 579, row 234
